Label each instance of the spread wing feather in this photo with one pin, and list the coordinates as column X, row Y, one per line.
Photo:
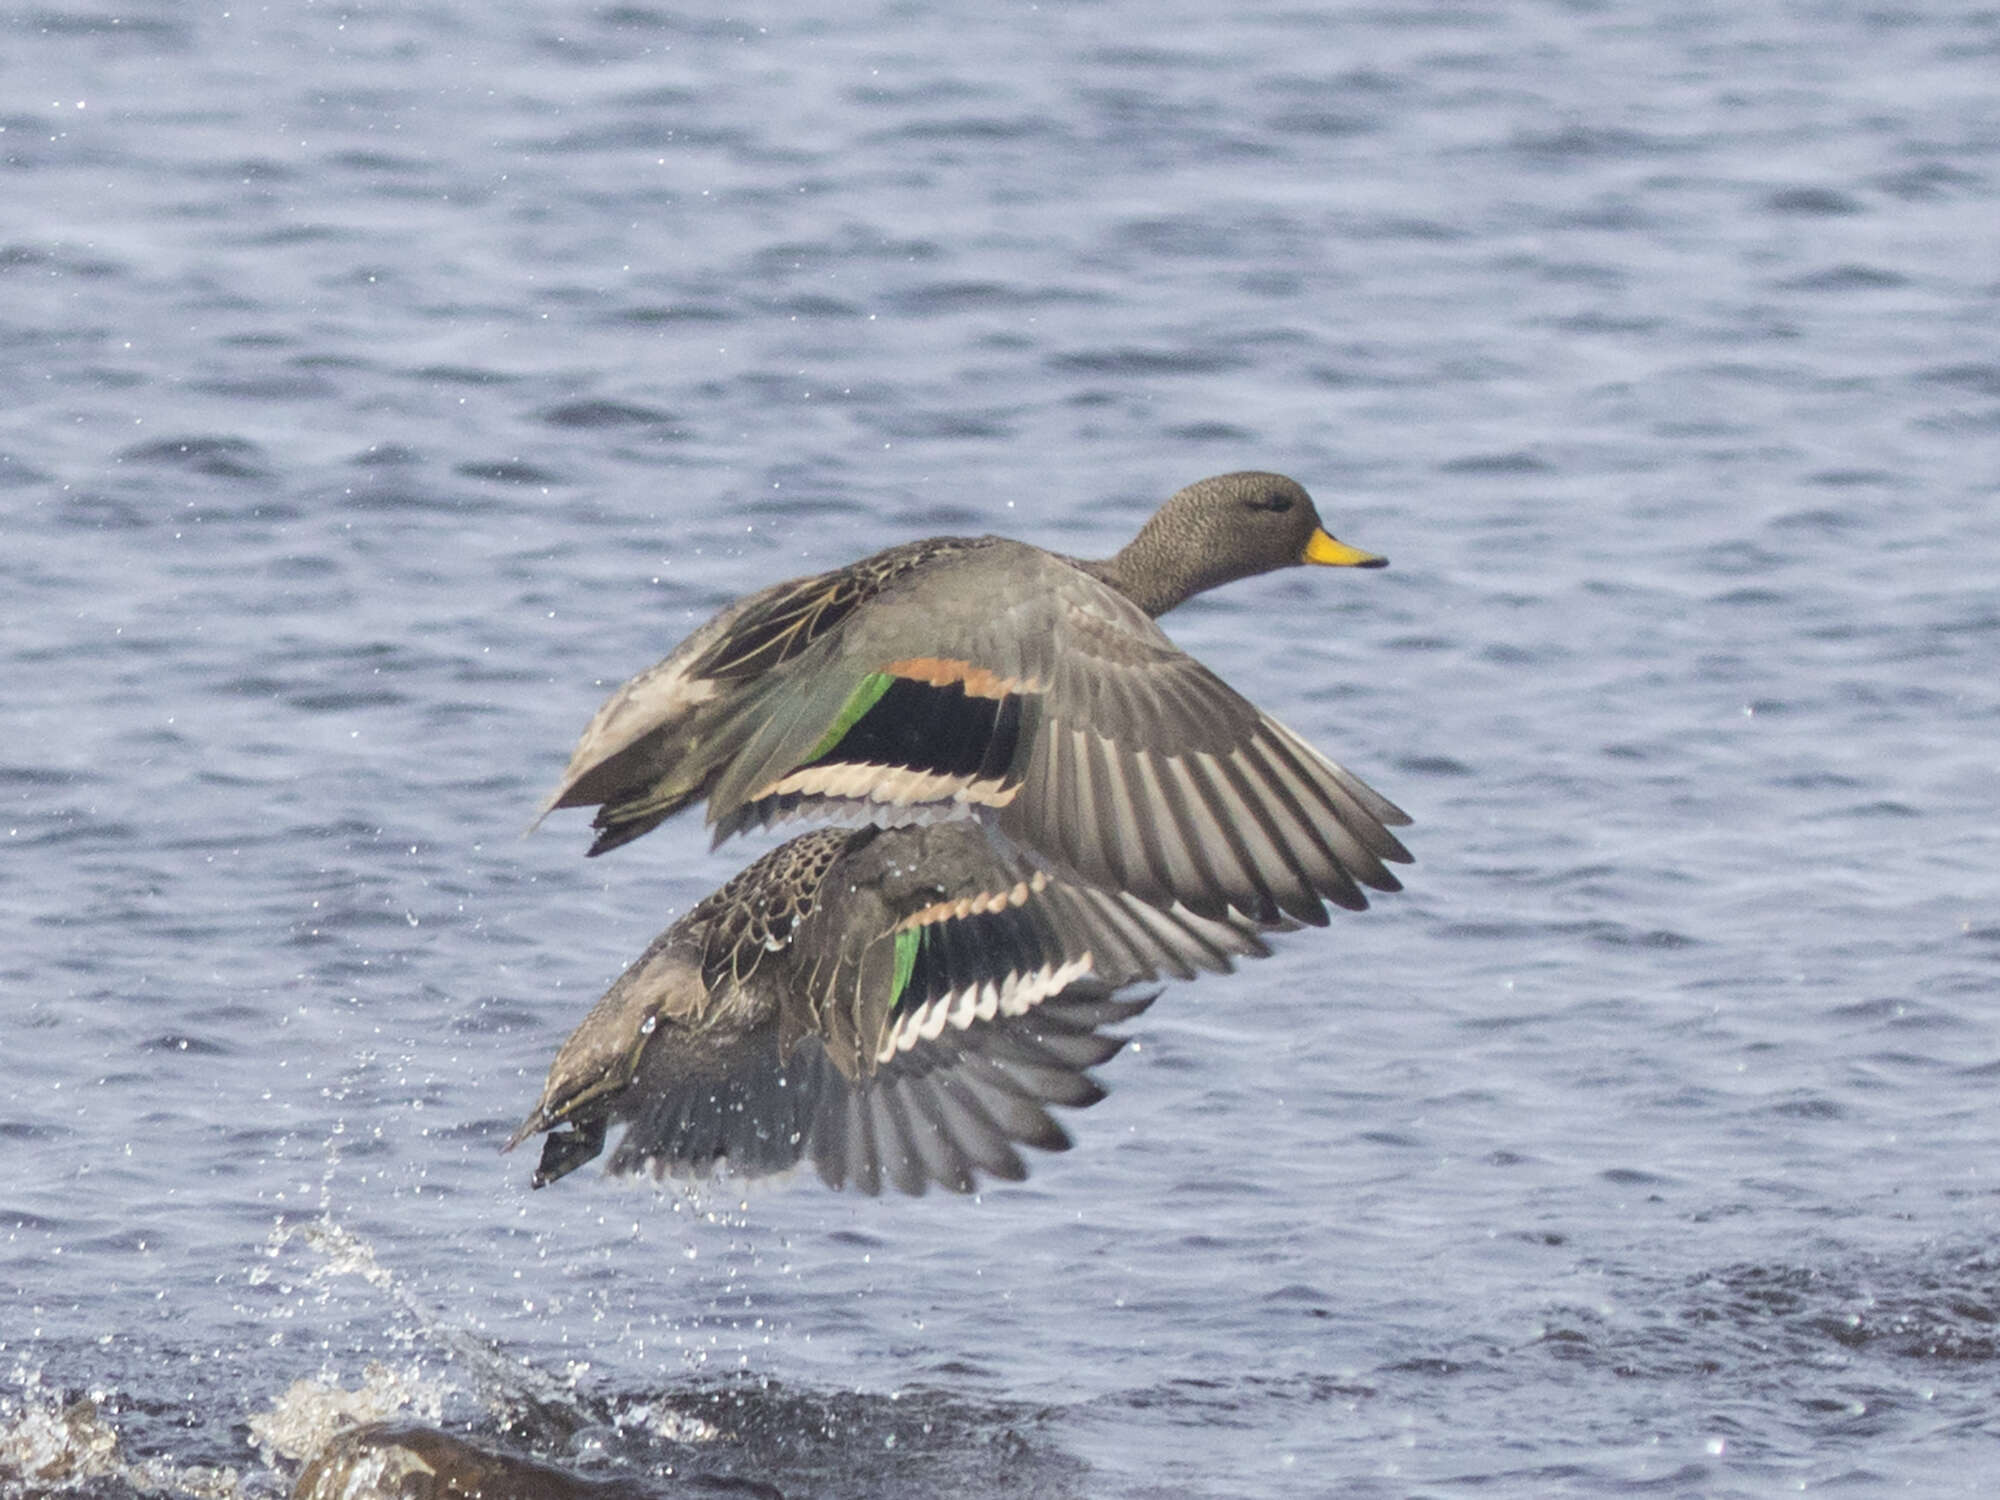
column 933, row 927
column 943, row 1113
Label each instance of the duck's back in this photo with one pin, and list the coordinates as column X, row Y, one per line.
column 772, row 627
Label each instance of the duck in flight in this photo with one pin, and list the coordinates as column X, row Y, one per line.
column 981, row 676
column 902, row 1006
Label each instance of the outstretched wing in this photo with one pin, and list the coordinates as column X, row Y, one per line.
column 1052, row 706
column 933, row 928
column 945, row 1113
column 937, row 997
column 949, row 1107
column 949, row 992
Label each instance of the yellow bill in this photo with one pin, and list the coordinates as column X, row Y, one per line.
column 1331, row 552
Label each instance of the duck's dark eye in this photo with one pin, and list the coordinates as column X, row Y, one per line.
column 1274, row 502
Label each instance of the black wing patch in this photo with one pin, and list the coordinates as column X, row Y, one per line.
column 941, row 730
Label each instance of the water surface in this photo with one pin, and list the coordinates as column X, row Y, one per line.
column 381, row 385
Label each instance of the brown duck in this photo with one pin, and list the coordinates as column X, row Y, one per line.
column 900, row 1005
column 985, row 676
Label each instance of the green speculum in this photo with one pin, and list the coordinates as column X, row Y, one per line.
column 907, row 944
column 864, row 697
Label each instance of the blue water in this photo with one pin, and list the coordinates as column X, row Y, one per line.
column 380, row 385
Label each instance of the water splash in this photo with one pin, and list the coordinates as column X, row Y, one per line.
column 48, row 1439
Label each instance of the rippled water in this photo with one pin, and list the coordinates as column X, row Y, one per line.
column 378, row 385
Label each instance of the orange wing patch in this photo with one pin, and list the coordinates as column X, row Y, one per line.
column 974, row 682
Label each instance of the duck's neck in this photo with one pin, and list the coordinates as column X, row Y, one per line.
column 1150, row 572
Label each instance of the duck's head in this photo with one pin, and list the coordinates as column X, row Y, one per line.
column 1221, row 529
